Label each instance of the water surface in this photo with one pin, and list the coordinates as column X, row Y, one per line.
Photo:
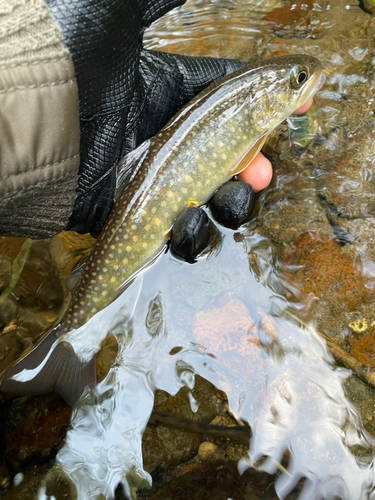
column 308, row 251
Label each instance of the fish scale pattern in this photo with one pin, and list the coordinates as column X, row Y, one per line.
column 126, row 95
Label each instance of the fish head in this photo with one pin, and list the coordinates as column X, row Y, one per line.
column 284, row 85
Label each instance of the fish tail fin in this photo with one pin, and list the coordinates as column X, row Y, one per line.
column 51, row 366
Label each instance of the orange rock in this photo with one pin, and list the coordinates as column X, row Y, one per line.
column 225, row 328
column 325, row 270
column 229, row 334
column 290, row 15
column 363, row 349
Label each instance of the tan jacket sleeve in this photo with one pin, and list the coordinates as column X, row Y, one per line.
column 39, row 122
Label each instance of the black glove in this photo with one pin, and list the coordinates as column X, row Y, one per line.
column 192, row 231
column 126, row 94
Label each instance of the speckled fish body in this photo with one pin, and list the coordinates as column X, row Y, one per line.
column 215, row 136
column 198, row 150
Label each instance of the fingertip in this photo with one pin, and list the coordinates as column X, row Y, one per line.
column 258, row 173
column 304, row 108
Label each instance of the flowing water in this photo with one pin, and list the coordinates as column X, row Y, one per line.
column 237, row 337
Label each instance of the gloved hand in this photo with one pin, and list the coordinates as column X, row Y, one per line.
column 126, row 93
column 192, row 231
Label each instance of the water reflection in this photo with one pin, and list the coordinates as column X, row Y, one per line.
column 309, row 249
column 278, row 377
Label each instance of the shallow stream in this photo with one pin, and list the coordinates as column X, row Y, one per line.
column 259, row 332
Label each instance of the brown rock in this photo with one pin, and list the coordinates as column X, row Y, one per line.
column 290, row 15
column 321, row 268
column 363, row 349
column 207, row 450
column 225, row 328
column 229, row 333
column 35, row 427
column 167, row 447
column 216, row 480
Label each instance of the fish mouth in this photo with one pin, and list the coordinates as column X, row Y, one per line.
column 319, row 83
column 316, row 85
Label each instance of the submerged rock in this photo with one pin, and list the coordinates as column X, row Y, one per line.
column 34, row 427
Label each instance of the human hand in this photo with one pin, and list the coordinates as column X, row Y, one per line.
column 96, row 96
column 127, row 94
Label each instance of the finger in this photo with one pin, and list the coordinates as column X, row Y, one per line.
column 258, row 173
column 304, row 108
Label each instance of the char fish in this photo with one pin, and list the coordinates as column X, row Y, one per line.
column 212, row 138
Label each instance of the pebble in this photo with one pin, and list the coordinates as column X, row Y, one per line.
column 206, row 450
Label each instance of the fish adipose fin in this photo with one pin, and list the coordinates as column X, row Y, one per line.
column 51, row 367
column 249, row 156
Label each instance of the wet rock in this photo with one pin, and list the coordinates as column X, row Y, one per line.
column 28, row 488
column 286, row 220
column 229, row 333
column 10, row 349
column 191, row 233
column 346, row 177
column 232, row 203
column 318, row 266
column 34, row 427
column 224, row 421
column 166, row 447
column 360, row 234
column 69, row 250
column 362, row 395
column 106, row 357
column 209, row 402
column 207, row 450
column 32, row 286
column 332, row 318
column 219, row 480
column 291, row 15
column 363, row 348
column 367, row 6
column 57, row 485
column 291, row 206
column 170, row 446
column 225, row 328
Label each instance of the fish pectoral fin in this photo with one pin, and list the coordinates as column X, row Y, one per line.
column 61, row 369
column 249, row 156
column 72, row 374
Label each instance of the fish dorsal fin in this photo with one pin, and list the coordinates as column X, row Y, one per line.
column 249, row 156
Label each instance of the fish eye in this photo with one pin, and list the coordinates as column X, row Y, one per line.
column 298, row 76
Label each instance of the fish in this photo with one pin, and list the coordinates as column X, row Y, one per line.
column 213, row 138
